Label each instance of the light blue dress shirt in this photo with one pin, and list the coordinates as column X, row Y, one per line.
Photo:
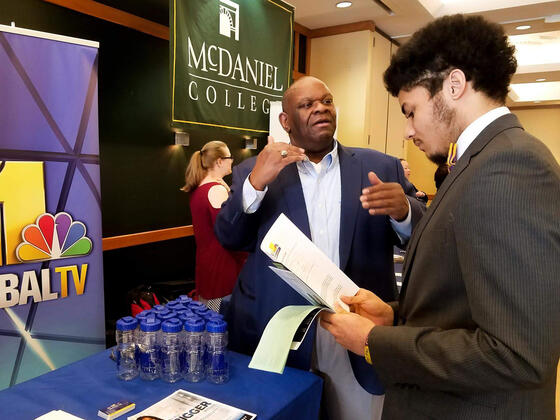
column 321, row 187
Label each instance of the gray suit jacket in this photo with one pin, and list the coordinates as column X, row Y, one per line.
column 478, row 333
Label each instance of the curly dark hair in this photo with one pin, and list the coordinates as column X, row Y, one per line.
column 477, row 47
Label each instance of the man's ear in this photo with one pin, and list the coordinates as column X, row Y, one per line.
column 457, row 83
column 283, row 118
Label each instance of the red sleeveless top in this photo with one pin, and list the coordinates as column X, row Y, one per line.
column 216, row 268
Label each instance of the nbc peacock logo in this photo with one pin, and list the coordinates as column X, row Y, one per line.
column 53, row 238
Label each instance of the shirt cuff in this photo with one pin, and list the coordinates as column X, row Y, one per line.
column 252, row 198
column 403, row 229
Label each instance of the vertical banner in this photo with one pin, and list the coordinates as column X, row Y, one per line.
column 51, row 274
column 229, row 59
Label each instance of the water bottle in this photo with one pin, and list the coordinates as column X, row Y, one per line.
column 171, row 349
column 144, row 314
column 193, row 367
column 216, row 346
column 127, row 362
column 148, row 348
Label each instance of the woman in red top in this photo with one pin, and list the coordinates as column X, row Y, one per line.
column 216, row 268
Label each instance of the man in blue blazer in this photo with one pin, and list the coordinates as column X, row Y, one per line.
column 351, row 202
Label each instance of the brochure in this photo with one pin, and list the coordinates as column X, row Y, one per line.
column 303, row 266
column 186, row 405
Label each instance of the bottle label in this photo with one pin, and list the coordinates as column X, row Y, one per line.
column 149, row 361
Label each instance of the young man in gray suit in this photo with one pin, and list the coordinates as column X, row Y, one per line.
column 476, row 331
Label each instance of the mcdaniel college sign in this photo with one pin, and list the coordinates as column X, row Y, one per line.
column 229, row 59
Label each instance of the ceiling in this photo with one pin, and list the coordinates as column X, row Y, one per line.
column 538, row 47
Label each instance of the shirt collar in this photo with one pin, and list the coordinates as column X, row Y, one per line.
column 475, row 128
column 328, row 161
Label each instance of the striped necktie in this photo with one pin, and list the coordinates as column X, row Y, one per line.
column 452, row 156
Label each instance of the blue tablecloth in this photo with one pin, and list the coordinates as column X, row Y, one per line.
column 85, row 386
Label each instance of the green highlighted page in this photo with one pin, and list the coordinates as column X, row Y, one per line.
column 285, row 331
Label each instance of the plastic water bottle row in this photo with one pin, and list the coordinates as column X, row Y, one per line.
column 182, row 339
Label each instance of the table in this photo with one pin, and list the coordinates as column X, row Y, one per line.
column 83, row 387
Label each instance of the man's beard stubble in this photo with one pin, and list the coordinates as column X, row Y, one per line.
column 446, row 116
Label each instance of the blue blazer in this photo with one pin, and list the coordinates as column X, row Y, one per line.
column 366, row 247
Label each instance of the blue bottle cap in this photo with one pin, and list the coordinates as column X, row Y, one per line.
column 194, row 324
column 215, row 316
column 196, row 305
column 184, row 311
column 166, row 315
column 175, row 306
column 172, row 325
column 216, row 326
column 184, row 299
column 159, row 308
column 144, row 314
column 150, row 324
column 185, row 314
column 127, row 323
column 203, row 312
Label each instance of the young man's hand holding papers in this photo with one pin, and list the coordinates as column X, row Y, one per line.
column 313, row 275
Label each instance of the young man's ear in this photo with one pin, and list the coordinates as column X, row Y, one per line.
column 457, row 83
column 283, row 118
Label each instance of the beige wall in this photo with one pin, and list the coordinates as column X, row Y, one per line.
column 421, row 169
column 343, row 63
column 543, row 123
column 352, row 65
column 377, row 111
column 396, row 144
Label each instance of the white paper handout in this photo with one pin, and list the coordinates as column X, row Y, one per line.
column 311, row 273
column 183, row 404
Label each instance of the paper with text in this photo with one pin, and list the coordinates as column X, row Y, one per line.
column 186, row 405
column 284, row 243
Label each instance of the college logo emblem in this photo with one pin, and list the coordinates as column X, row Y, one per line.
column 229, row 19
column 53, row 238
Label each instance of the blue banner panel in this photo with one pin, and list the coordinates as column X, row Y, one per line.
column 51, row 272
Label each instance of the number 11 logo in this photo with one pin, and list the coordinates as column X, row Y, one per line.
column 22, row 200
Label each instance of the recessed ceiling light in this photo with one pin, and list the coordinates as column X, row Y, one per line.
column 542, row 79
column 523, row 27
column 343, row 4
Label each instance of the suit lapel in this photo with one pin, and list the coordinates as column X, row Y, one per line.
column 292, row 192
column 351, row 186
column 496, row 127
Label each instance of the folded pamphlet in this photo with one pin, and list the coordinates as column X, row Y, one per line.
column 303, row 266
